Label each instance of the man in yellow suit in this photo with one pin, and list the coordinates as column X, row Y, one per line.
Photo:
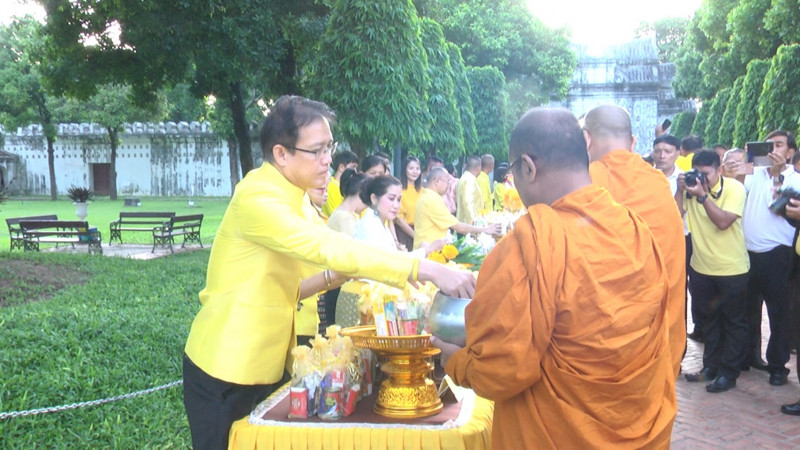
column 468, row 192
column 236, row 352
column 567, row 331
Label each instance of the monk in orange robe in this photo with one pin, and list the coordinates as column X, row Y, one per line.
column 635, row 184
column 566, row 331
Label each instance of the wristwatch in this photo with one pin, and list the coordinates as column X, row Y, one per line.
column 778, row 179
column 701, row 199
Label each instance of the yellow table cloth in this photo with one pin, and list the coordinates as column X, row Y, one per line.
column 475, row 434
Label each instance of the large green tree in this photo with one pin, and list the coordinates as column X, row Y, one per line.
column 370, row 67
column 446, row 134
column 505, row 34
column 112, row 106
column 779, row 104
column 225, row 48
column 682, row 124
column 490, row 103
column 23, row 97
column 728, row 123
column 700, row 121
column 746, row 127
column 463, row 92
column 670, row 32
column 714, row 121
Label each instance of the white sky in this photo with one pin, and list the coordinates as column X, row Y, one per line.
column 599, row 23
column 595, row 23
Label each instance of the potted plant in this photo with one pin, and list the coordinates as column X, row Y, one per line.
column 80, row 197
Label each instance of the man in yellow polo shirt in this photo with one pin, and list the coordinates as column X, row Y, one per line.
column 689, row 145
column 236, row 352
column 718, row 268
column 432, row 219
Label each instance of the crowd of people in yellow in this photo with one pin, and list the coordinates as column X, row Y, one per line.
column 577, row 325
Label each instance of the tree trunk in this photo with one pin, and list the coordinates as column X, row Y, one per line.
column 51, row 167
column 240, row 127
column 112, row 176
column 233, row 158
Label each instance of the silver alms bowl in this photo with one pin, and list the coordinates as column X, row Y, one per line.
column 446, row 319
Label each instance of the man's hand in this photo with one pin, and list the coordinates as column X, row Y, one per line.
column 778, row 163
column 455, row 283
column 494, row 229
column 793, row 209
column 697, row 190
column 447, row 349
column 681, row 182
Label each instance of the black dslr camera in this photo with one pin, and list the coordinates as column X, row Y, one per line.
column 694, row 176
column 778, row 206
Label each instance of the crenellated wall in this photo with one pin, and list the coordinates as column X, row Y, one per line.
column 159, row 159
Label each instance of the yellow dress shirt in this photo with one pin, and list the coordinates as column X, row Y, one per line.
column 433, row 219
column 245, row 327
column 499, row 195
column 469, row 199
column 486, row 192
column 334, row 198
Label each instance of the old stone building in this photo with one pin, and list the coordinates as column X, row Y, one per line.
column 628, row 75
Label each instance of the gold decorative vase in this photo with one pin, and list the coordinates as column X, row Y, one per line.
column 407, row 392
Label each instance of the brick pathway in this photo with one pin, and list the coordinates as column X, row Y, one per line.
column 745, row 417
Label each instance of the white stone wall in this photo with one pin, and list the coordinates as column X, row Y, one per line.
column 165, row 159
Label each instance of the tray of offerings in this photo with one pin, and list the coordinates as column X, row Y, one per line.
column 408, row 391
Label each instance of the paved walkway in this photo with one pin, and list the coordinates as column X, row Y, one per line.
column 133, row 251
column 745, row 417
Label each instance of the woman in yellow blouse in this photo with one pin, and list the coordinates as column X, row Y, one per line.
column 500, row 185
column 412, row 187
column 344, row 218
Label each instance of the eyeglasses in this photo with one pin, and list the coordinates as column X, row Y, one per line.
column 328, row 150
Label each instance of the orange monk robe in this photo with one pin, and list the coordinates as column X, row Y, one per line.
column 566, row 330
column 645, row 190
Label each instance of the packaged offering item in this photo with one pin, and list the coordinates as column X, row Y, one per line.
column 391, row 316
column 298, row 403
column 353, row 395
column 331, row 407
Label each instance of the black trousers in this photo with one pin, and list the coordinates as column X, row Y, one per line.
column 721, row 300
column 212, row 405
column 331, row 298
column 696, row 318
column 770, row 274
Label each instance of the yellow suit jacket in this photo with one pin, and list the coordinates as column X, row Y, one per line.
column 245, row 327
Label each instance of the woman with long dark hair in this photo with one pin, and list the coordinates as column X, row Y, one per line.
column 411, row 182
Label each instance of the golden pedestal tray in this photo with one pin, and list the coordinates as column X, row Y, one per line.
column 407, row 392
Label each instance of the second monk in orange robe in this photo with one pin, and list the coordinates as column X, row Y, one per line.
column 566, row 331
column 645, row 190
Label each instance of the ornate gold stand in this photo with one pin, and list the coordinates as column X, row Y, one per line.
column 407, row 392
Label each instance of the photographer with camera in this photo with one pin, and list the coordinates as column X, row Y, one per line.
column 718, row 267
column 768, row 238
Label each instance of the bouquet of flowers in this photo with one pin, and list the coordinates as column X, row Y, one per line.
column 465, row 251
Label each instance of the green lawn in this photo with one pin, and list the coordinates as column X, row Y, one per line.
column 103, row 211
column 87, row 327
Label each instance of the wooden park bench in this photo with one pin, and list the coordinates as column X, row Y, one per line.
column 35, row 232
column 136, row 221
column 186, row 226
column 15, row 232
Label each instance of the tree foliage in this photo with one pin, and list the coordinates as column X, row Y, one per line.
column 728, row 123
column 670, row 32
column 446, row 134
column 226, row 48
column 779, row 105
column 700, row 121
column 489, row 101
column 462, row 92
column 23, row 97
column 682, row 124
column 746, row 127
column 370, row 67
column 506, row 35
column 714, row 121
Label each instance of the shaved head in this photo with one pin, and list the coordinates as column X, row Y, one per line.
column 553, row 136
column 608, row 127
